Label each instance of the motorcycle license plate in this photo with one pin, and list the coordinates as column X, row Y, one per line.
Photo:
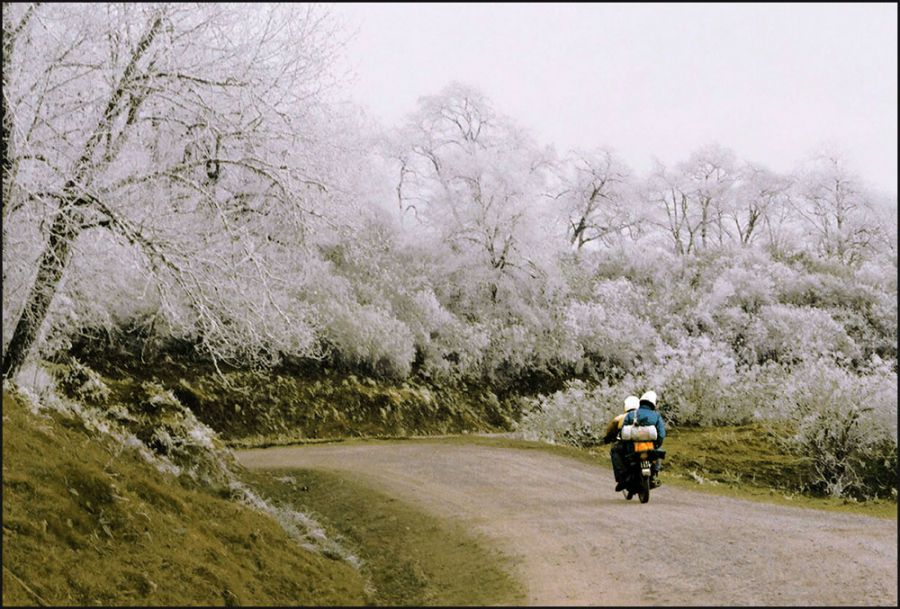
column 642, row 446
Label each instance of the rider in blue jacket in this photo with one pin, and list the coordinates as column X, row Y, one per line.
column 646, row 414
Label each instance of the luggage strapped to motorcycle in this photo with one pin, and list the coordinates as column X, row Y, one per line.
column 638, row 433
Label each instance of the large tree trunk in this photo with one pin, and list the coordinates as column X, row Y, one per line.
column 50, row 269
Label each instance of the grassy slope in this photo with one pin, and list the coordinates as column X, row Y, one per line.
column 411, row 558
column 84, row 523
column 87, row 523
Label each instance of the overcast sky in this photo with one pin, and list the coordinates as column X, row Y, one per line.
column 770, row 81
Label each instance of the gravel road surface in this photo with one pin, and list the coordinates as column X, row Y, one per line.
column 573, row 541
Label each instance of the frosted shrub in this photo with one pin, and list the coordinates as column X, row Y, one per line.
column 101, row 290
column 881, row 274
column 758, row 394
column 882, row 316
column 37, row 383
column 694, row 381
column 170, row 429
column 823, row 289
column 462, row 348
column 611, row 330
column 369, row 336
column 847, row 427
column 748, row 289
column 641, row 263
column 576, row 415
column 791, row 334
column 610, row 337
column 867, row 333
column 85, row 384
column 510, row 352
column 533, row 344
column 733, row 326
column 556, row 352
column 447, row 346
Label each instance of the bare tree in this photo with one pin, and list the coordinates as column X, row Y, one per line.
column 186, row 130
column 710, row 174
column 836, row 208
column 667, row 191
column 596, row 196
column 760, row 205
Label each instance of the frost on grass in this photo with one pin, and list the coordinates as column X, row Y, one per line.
column 167, row 435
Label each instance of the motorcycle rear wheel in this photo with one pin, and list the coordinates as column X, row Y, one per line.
column 644, row 493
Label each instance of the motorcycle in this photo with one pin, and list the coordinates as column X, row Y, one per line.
column 637, row 470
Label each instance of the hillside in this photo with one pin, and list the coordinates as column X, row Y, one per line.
column 87, row 521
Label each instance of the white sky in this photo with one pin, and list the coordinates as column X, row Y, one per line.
column 770, row 81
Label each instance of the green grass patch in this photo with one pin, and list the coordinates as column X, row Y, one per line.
column 88, row 522
column 410, row 557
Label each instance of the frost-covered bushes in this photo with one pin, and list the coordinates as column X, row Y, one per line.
column 791, row 334
column 84, row 383
column 872, row 335
column 101, row 290
column 446, row 347
column 370, row 337
column 694, row 381
column 641, row 263
column 847, row 427
column 510, row 352
column 612, row 336
column 575, row 415
column 882, row 317
column 746, row 288
column 530, row 347
column 758, row 394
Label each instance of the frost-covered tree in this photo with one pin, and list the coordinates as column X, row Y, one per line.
column 479, row 179
column 836, row 208
column 189, row 132
column 672, row 211
column 596, row 196
column 709, row 174
column 760, row 207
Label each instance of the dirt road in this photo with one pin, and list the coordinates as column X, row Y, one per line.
column 574, row 541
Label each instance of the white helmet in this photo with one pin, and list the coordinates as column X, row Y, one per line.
column 650, row 396
column 631, row 403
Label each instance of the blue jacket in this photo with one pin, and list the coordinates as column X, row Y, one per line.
column 648, row 416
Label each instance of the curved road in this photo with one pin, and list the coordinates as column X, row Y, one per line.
column 573, row 541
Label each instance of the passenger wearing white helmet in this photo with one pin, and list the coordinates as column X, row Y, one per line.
column 616, row 453
column 646, row 414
